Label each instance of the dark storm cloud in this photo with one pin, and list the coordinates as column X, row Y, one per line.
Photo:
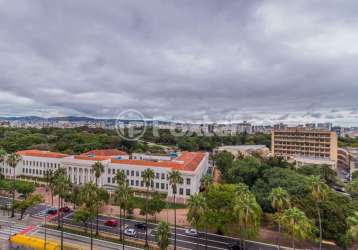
column 179, row 59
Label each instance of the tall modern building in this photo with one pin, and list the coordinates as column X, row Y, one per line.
column 303, row 143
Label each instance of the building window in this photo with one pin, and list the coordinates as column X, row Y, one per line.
column 181, row 191
column 157, row 185
column 113, row 171
column 113, row 180
column 188, row 181
column 141, row 183
column 109, row 171
column 127, row 172
column 109, row 179
column 187, row 191
column 137, row 183
column 132, row 173
column 157, row 175
column 132, row 182
column 137, row 173
column 162, row 186
column 163, row 176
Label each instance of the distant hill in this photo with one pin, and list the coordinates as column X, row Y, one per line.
column 68, row 118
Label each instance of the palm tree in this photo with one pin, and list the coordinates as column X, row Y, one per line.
column 148, row 177
column 62, row 188
column 162, row 235
column 74, row 196
column 51, row 182
column 206, row 181
column 123, row 197
column 12, row 160
column 280, row 200
column 319, row 190
column 248, row 211
column 175, row 178
column 352, row 222
column 98, row 169
column 121, row 177
column 297, row 224
column 196, row 211
column 89, row 198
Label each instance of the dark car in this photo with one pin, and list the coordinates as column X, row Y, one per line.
column 22, row 196
column 52, row 211
column 65, row 210
column 140, row 225
column 234, row 246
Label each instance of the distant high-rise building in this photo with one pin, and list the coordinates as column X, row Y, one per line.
column 310, row 125
column 326, row 125
column 280, row 126
column 244, row 127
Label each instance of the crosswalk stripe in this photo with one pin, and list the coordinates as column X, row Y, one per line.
column 5, row 231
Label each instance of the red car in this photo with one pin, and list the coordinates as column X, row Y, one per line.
column 65, row 209
column 111, row 223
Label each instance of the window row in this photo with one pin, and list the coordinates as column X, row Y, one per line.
column 33, row 171
column 40, row 164
column 161, row 176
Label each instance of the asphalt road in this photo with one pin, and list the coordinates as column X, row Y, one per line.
column 37, row 210
column 215, row 242
column 82, row 241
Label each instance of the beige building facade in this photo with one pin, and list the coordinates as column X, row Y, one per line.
column 294, row 143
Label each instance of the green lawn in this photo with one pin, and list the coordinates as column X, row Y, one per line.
column 138, row 201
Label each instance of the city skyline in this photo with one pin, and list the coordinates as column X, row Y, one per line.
column 259, row 61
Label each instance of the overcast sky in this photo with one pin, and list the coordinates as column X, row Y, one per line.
column 261, row 61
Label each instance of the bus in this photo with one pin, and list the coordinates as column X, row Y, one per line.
column 26, row 242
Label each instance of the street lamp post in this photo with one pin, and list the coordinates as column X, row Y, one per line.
column 45, row 234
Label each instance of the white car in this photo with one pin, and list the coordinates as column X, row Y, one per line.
column 191, row 232
column 130, row 232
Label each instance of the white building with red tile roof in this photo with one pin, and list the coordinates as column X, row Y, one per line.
column 192, row 166
column 34, row 163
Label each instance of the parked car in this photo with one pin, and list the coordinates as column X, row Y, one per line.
column 22, row 196
column 234, row 246
column 191, row 232
column 65, row 210
column 111, row 223
column 52, row 211
column 130, row 232
column 140, row 225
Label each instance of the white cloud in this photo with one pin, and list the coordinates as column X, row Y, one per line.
column 258, row 59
